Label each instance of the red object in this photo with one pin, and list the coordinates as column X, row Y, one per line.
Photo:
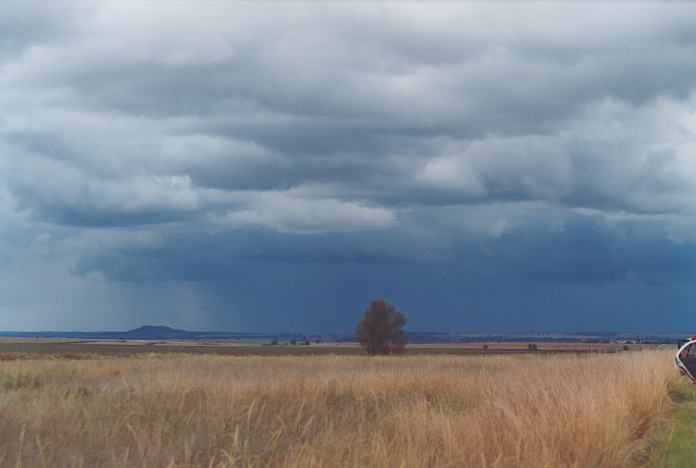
column 693, row 338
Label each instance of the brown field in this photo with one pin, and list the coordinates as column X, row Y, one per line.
column 531, row 410
column 78, row 348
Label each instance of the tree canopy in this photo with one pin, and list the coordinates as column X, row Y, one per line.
column 381, row 329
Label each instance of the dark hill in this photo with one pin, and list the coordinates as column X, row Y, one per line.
column 157, row 332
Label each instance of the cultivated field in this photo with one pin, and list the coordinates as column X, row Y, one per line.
column 25, row 347
column 193, row 410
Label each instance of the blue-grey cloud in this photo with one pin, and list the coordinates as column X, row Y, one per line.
column 293, row 160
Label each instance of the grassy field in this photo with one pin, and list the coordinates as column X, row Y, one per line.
column 676, row 438
column 211, row 410
column 23, row 347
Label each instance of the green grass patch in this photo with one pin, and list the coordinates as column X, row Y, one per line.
column 675, row 440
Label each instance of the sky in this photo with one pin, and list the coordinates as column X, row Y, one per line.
column 276, row 166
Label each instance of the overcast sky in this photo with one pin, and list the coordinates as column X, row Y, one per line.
column 275, row 166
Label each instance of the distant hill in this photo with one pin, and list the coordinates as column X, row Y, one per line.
column 158, row 332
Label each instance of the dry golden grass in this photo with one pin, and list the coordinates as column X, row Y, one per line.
column 331, row 411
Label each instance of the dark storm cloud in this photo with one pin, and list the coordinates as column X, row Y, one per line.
column 538, row 245
column 448, row 145
column 325, row 97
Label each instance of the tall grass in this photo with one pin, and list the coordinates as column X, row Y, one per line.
column 414, row 411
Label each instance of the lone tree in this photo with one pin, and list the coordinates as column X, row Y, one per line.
column 381, row 329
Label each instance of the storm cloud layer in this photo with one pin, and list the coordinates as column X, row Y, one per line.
column 277, row 165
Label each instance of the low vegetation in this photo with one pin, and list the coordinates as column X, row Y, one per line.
column 530, row 410
column 674, row 438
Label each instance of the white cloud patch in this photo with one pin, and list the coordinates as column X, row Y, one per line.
column 301, row 215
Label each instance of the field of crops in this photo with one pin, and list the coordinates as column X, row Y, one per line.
column 426, row 410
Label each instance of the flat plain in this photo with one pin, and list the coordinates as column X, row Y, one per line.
column 162, row 409
column 83, row 348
